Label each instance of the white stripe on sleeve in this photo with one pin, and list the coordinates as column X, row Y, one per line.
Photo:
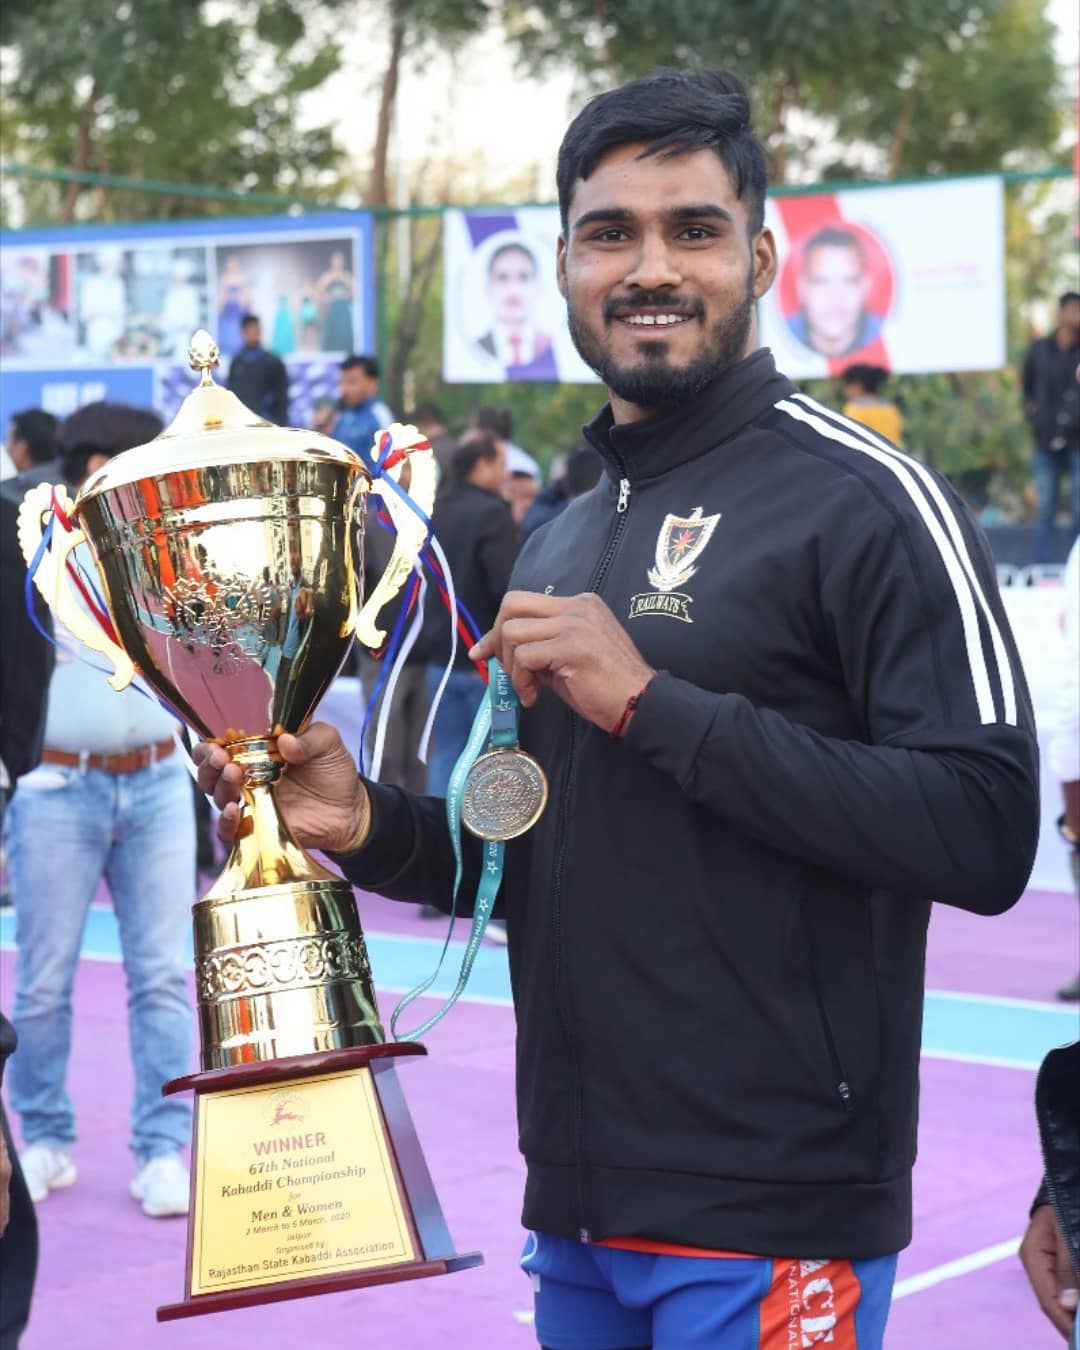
column 980, row 677
column 1001, row 655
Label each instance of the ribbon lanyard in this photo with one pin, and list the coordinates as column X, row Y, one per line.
column 496, row 722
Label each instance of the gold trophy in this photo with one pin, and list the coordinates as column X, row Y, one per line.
column 230, row 552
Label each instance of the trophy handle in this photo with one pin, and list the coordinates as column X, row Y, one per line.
column 411, row 533
column 51, row 578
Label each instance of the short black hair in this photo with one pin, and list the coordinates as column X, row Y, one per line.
column 1069, row 298
column 37, row 429
column 512, row 246
column 834, row 236
column 671, row 112
column 872, row 378
column 496, row 421
column 367, row 364
column 469, row 453
column 250, row 318
column 426, row 412
column 103, row 429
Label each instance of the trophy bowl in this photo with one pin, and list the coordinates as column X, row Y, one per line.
column 230, row 553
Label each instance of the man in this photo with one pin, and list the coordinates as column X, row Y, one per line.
column 361, row 413
column 862, row 386
column 32, row 444
column 1052, row 404
column 26, row 662
column 513, row 289
column 476, row 530
column 832, row 287
column 767, row 671
column 110, row 800
column 428, row 419
column 522, row 481
column 257, row 377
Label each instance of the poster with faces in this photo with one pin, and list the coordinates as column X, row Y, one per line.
column 911, row 278
column 503, row 316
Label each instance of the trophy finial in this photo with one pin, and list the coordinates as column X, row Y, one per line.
column 203, row 355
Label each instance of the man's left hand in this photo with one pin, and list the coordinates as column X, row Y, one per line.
column 574, row 646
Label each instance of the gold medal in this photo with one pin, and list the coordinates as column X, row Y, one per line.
column 505, row 795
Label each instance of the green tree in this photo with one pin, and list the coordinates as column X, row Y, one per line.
column 166, row 89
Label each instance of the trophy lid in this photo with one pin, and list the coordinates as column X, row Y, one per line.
column 212, row 428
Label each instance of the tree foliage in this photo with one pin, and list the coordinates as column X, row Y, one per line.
column 162, row 89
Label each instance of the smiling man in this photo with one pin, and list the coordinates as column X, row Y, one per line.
column 767, row 671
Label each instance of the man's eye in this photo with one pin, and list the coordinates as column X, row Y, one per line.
column 612, row 235
column 696, row 233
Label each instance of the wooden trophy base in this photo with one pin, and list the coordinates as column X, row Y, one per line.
column 307, row 1178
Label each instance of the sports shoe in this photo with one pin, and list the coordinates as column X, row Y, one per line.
column 162, row 1186
column 46, row 1169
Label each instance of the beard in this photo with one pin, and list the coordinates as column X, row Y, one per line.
column 653, row 382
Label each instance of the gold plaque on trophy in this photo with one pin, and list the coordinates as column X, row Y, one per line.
column 297, row 1180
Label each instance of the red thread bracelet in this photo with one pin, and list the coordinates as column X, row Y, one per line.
column 619, row 729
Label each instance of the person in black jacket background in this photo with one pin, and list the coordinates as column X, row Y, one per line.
column 26, row 662
column 257, row 377
column 1052, row 405
column 472, row 522
column 767, row 670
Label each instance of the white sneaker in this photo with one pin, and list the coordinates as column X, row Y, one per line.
column 46, row 1169
column 163, row 1186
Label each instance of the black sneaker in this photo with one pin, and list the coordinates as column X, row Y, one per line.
column 1070, row 993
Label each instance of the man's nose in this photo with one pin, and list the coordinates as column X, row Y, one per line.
column 655, row 264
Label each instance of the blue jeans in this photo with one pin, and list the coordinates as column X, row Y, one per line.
column 1050, row 468
column 64, row 830
column 453, row 722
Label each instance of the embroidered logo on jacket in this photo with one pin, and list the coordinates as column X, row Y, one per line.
column 680, row 543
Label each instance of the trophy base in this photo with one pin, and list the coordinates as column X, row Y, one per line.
column 307, row 1178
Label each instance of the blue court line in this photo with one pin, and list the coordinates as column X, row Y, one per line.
column 970, row 1028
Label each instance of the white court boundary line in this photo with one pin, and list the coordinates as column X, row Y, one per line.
column 951, row 1270
column 914, row 1284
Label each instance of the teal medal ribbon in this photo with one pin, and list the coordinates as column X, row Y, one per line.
column 495, row 725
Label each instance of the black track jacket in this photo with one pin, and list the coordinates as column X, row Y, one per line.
column 717, row 929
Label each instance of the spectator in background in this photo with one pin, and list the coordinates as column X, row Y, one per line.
column 476, row 530
column 427, row 418
column 1052, row 405
column 361, row 413
column 32, row 444
column 581, row 471
column 523, row 475
column 257, row 377
column 1064, row 748
column 862, row 386
column 110, row 800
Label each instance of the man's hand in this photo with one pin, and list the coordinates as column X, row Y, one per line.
column 5, row 1184
column 320, row 796
column 1045, row 1257
column 574, row 646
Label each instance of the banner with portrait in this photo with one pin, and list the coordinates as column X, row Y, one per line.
column 107, row 312
column 503, row 316
column 911, row 278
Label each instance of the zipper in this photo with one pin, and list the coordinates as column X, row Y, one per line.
column 561, row 999
column 840, row 1085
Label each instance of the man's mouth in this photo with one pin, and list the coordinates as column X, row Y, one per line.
column 639, row 320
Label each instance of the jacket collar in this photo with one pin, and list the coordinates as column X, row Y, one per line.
column 654, row 445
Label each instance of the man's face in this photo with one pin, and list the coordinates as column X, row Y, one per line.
column 251, row 334
column 832, row 289
column 356, row 386
column 512, row 287
column 660, row 272
column 490, row 474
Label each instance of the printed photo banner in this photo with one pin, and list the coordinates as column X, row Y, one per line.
column 910, row 277
column 107, row 312
column 503, row 316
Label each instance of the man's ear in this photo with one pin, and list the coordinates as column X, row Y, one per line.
column 560, row 265
column 763, row 247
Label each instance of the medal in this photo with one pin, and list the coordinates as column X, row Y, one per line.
column 505, row 794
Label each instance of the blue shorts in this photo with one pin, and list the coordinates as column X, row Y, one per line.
column 601, row 1298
